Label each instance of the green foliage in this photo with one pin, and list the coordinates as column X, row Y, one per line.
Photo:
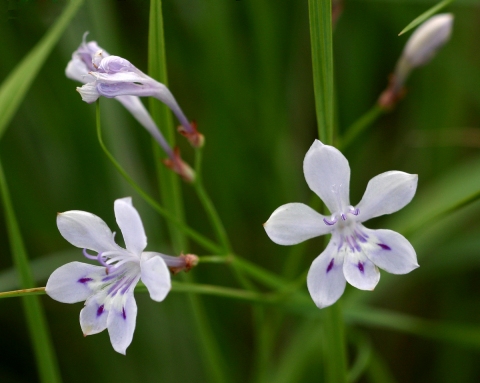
column 259, row 90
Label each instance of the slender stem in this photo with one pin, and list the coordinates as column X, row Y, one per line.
column 359, row 126
column 215, row 365
column 197, row 237
column 23, row 292
column 37, row 324
column 334, row 344
column 320, row 14
column 179, row 287
column 209, row 207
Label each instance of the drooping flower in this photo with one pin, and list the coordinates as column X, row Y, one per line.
column 115, row 76
column 421, row 47
column 81, row 66
column 108, row 289
column 354, row 252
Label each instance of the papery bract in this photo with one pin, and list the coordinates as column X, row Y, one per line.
column 354, row 252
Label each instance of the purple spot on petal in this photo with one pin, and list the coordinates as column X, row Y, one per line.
column 330, row 265
column 84, row 280
column 360, row 267
column 124, row 314
column 383, row 246
column 100, row 310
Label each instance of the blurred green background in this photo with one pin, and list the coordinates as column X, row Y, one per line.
column 242, row 70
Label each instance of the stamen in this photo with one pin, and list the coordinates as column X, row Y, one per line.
column 344, row 217
column 332, row 222
column 84, row 251
column 354, row 211
column 100, row 259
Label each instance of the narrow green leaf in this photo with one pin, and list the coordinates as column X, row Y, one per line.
column 425, row 15
column 320, row 14
column 16, row 85
column 171, row 192
column 169, row 183
column 465, row 335
column 37, row 325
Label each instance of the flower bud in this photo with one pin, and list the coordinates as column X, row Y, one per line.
column 424, row 43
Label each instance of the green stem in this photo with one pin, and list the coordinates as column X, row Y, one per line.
column 179, row 287
column 209, row 207
column 359, row 126
column 171, row 191
column 320, row 14
column 197, row 237
column 334, row 344
column 37, row 324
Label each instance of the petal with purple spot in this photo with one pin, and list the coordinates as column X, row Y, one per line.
column 359, row 271
column 325, row 279
column 121, row 322
column 391, row 251
column 72, row 282
column 93, row 317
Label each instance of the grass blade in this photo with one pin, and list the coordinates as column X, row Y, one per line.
column 44, row 353
column 16, row 85
column 425, row 15
column 320, row 13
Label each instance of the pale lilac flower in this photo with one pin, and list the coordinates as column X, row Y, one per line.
column 108, row 289
column 115, row 76
column 354, row 252
column 421, row 47
column 85, row 61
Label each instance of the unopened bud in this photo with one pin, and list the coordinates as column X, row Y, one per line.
column 427, row 39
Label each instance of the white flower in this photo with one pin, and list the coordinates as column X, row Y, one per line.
column 108, row 289
column 354, row 252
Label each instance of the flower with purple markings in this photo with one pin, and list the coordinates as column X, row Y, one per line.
column 108, row 289
column 354, row 252
column 85, row 61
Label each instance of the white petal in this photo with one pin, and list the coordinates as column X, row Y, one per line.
column 294, row 223
column 86, row 230
column 325, row 279
column 131, row 225
column 121, row 323
column 72, row 282
column 78, row 71
column 155, row 276
column 93, row 317
column 387, row 193
column 89, row 92
column 360, row 271
column 391, row 251
column 328, row 174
